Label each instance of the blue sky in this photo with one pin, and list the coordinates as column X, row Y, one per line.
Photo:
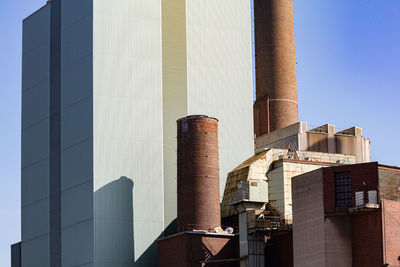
column 348, row 71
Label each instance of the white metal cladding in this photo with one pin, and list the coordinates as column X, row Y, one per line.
column 127, row 121
column 35, row 139
column 77, row 226
column 219, row 74
column 174, row 76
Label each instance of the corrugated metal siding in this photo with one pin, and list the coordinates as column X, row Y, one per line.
column 35, row 176
column 219, row 74
column 128, row 161
column 174, row 77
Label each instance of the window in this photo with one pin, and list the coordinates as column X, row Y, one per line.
column 343, row 189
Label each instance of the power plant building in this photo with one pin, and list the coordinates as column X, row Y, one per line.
column 103, row 84
column 347, row 216
column 118, row 168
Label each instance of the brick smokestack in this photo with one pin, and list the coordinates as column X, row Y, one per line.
column 198, row 174
column 276, row 87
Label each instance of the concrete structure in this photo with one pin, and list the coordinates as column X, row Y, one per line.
column 276, row 167
column 347, row 216
column 320, row 139
column 198, row 174
column 264, row 214
column 256, row 221
column 276, row 87
column 103, row 84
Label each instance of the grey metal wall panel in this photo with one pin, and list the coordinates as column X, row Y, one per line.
column 35, row 252
column 77, row 82
column 36, row 182
column 77, row 165
column 77, row 244
column 16, row 255
column 76, row 39
column 35, row 220
column 35, row 143
column 77, row 204
column 77, row 123
column 77, row 131
column 35, row 140
column 36, row 106
column 76, row 10
column 35, row 65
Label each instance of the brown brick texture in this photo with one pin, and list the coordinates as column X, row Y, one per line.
column 391, row 232
column 367, row 239
column 188, row 249
column 275, row 65
column 198, row 174
column 364, row 177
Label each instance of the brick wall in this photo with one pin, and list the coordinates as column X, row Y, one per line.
column 172, row 251
column 367, row 239
column 364, row 177
column 391, row 232
column 188, row 249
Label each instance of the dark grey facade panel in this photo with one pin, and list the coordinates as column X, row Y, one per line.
column 55, row 134
column 16, row 255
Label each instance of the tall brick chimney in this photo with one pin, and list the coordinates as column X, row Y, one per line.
column 198, row 174
column 276, row 87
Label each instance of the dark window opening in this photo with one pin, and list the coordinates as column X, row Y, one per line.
column 343, row 196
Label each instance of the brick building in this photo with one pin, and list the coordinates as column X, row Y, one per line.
column 347, row 216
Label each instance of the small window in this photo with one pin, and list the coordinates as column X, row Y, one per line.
column 343, row 189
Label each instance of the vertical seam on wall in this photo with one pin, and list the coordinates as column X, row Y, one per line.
column 55, row 133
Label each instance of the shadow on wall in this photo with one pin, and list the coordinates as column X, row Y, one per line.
column 151, row 253
column 114, row 233
column 114, row 227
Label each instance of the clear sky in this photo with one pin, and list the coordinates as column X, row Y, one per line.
column 348, row 71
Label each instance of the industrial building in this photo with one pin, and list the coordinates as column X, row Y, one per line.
column 347, row 216
column 103, row 84
column 111, row 178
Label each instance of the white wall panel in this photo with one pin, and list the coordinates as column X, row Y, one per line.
column 174, row 95
column 127, row 130
column 219, row 71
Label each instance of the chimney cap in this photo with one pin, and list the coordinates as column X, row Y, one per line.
column 196, row 117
